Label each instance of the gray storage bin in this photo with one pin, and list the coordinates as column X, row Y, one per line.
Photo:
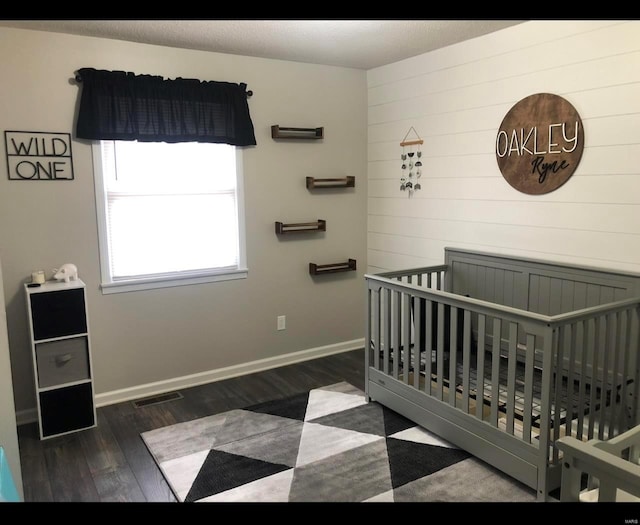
column 62, row 361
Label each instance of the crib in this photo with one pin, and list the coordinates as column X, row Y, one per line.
column 503, row 356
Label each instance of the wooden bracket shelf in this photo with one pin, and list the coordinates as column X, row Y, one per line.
column 278, row 132
column 299, row 227
column 318, row 269
column 344, row 182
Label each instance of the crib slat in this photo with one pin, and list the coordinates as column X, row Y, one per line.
column 511, row 376
column 587, row 353
column 625, row 349
column 557, row 402
column 466, row 360
column 397, row 330
column 528, row 387
column 597, row 358
column 440, row 352
column 495, row 371
column 607, row 384
column 387, row 331
column 570, row 341
column 427, row 344
column 368, row 352
column 607, row 396
column 582, row 327
column 594, row 376
column 567, row 368
column 617, row 382
column 376, row 330
column 606, row 392
column 480, row 367
column 406, row 361
column 453, row 355
column 417, row 320
column 590, row 346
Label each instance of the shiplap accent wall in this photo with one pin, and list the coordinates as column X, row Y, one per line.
column 456, row 98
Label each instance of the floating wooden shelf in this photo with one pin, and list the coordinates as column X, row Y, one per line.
column 278, row 132
column 299, row 227
column 318, row 269
column 344, row 182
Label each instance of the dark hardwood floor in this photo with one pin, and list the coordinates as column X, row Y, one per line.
column 110, row 463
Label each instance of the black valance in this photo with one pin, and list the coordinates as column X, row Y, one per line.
column 117, row 105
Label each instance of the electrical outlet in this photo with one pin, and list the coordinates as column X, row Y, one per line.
column 282, row 322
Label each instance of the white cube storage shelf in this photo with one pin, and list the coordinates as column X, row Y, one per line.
column 61, row 351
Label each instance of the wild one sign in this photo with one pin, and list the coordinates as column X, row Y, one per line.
column 37, row 155
column 539, row 143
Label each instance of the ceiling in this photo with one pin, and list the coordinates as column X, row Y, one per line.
column 360, row 44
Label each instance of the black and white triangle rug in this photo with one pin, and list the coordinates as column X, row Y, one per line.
column 325, row 445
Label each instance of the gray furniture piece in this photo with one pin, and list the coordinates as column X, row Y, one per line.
column 503, row 355
column 612, row 468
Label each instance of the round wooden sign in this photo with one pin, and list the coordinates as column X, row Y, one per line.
column 539, row 143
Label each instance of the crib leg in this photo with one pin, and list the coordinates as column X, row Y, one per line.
column 543, row 486
column 542, row 496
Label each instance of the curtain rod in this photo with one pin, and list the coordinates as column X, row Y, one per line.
column 79, row 79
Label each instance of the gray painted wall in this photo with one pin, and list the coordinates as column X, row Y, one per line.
column 149, row 337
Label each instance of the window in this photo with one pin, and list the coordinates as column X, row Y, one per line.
column 168, row 213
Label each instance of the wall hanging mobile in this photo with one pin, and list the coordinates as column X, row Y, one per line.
column 411, row 163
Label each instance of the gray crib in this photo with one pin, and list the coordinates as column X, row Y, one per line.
column 503, row 356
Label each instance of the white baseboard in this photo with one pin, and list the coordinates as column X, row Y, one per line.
column 151, row 389
column 160, row 387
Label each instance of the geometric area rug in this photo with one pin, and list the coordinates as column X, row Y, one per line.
column 325, row 445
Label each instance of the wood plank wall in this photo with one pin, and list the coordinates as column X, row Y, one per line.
column 456, row 98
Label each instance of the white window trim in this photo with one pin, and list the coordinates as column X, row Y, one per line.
column 109, row 286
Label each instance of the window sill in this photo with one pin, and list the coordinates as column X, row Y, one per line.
column 135, row 285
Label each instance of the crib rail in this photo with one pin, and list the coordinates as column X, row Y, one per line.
column 596, row 352
column 532, row 377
